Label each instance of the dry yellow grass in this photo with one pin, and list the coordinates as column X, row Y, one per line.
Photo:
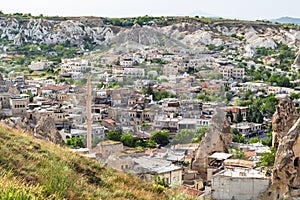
column 34, row 169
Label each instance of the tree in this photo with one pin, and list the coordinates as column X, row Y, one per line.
column 295, row 95
column 239, row 117
column 150, row 143
column 239, row 139
column 200, row 133
column 161, row 181
column 184, row 136
column 114, row 135
column 268, row 140
column 237, row 153
column 230, row 115
column 267, row 159
column 254, row 140
column 127, row 139
column 249, row 115
column 160, row 137
column 75, row 142
column 260, row 118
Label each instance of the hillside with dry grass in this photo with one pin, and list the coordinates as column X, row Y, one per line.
column 33, row 169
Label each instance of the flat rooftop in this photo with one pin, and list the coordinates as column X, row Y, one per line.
column 236, row 172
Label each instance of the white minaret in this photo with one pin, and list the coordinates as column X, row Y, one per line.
column 89, row 113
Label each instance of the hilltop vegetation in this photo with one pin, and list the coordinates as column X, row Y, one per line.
column 32, row 169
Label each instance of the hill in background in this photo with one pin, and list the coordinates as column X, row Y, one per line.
column 33, row 169
column 287, row 20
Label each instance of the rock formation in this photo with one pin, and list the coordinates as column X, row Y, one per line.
column 46, row 130
column 296, row 64
column 81, row 31
column 283, row 119
column 18, row 123
column 216, row 139
column 286, row 171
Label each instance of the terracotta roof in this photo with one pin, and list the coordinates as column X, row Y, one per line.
column 191, row 191
column 151, row 151
column 109, row 121
column 250, row 153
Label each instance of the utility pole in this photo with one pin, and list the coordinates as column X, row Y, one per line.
column 89, row 113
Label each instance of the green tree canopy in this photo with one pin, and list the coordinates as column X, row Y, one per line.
column 237, row 153
column 184, row 136
column 268, row 159
column 127, row 139
column 114, row 135
column 239, row 117
column 76, row 142
column 254, row 140
column 160, row 137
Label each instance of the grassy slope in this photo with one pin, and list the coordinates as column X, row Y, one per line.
column 32, row 169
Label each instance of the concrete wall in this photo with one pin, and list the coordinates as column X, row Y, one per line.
column 225, row 187
column 173, row 177
column 120, row 163
column 108, row 148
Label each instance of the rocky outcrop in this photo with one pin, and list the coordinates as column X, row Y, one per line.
column 286, row 171
column 54, row 31
column 296, row 64
column 283, row 119
column 21, row 123
column 217, row 139
column 46, row 130
column 83, row 31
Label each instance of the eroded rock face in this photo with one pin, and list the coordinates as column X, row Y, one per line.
column 286, row 172
column 46, row 130
column 216, row 139
column 18, row 123
column 283, row 119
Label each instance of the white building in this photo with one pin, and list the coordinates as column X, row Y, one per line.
column 232, row 72
column 238, row 183
column 132, row 71
column 74, row 65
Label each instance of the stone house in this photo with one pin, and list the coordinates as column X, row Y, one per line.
column 5, row 100
column 109, row 123
column 50, row 89
column 133, row 72
column 75, row 65
column 146, row 167
column 193, row 123
column 232, row 72
column 126, row 62
column 39, row 65
column 236, row 109
column 163, row 122
column 18, row 106
column 109, row 147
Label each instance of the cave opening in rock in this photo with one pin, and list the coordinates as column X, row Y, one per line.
column 296, row 162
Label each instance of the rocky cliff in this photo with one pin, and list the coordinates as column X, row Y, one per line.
column 286, row 172
column 92, row 31
column 45, row 129
column 217, row 139
column 53, row 31
column 283, row 120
